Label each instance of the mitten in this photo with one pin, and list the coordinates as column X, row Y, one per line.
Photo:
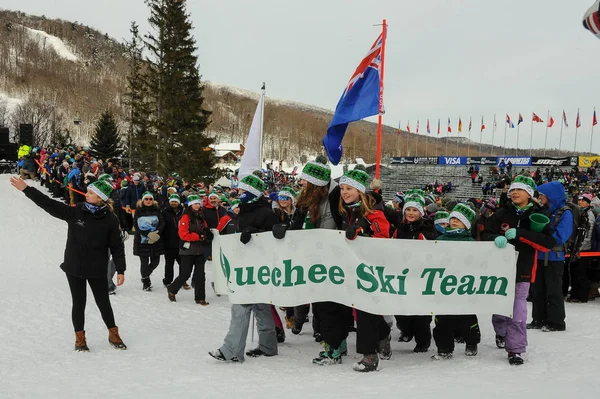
column 501, row 241
column 279, row 230
column 511, row 234
column 353, row 231
column 245, row 237
column 153, row 237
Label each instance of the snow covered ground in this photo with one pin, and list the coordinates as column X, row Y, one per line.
column 168, row 342
column 44, row 39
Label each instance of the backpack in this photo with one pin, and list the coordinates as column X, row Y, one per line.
column 580, row 221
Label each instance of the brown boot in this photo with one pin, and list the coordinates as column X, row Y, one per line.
column 114, row 339
column 80, row 344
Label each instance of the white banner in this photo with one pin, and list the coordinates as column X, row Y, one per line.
column 381, row 276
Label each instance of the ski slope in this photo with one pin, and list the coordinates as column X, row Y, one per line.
column 168, row 342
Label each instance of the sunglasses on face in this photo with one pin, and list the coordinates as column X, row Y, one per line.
column 283, row 198
column 148, row 199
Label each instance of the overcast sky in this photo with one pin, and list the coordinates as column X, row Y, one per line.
column 444, row 58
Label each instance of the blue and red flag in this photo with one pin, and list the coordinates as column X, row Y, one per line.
column 578, row 121
column 510, row 124
column 520, row 119
column 594, row 120
column 359, row 100
column 429, row 128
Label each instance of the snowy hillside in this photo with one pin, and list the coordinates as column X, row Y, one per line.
column 168, row 342
column 44, row 40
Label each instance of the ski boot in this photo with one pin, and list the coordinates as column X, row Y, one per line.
column 367, row 364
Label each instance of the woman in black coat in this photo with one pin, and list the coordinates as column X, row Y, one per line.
column 93, row 230
column 148, row 244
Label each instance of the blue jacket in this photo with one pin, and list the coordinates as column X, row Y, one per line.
column 555, row 192
column 133, row 194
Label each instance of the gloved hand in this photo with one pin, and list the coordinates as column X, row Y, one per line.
column 501, row 241
column 247, row 235
column 208, row 235
column 353, row 231
column 279, row 230
column 153, row 237
column 128, row 209
column 511, row 234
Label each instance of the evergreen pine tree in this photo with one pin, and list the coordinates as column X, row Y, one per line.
column 179, row 118
column 141, row 143
column 106, row 143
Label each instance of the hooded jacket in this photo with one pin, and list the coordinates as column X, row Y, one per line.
column 555, row 192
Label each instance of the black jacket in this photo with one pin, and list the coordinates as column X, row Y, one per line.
column 89, row 237
column 507, row 217
column 170, row 235
column 213, row 215
column 257, row 217
column 156, row 249
column 411, row 231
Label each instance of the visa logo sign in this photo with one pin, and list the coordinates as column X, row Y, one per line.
column 452, row 160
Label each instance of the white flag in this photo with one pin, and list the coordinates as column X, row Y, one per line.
column 251, row 160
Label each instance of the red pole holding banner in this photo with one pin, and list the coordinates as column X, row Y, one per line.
column 380, row 119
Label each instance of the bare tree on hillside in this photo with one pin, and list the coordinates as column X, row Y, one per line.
column 40, row 114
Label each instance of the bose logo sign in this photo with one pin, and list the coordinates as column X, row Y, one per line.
column 556, row 162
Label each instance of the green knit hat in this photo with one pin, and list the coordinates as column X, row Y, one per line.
column 464, row 213
column 174, row 198
column 524, row 183
column 124, row 183
column 289, row 192
column 235, row 203
column 357, row 178
column 252, row 184
column 414, row 201
column 193, row 199
column 202, row 193
column 213, row 194
column 147, row 194
column 102, row 188
column 224, row 199
column 105, row 176
column 317, row 172
column 442, row 217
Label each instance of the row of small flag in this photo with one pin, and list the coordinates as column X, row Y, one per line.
column 510, row 124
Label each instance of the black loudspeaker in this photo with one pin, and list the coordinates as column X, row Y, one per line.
column 8, row 152
column 4, row 135
column 26, row 134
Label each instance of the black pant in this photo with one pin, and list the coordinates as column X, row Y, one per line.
column 447, row 327
column 417, row 326
column 370, row 330
column 148, row 264
column 548, row 300
column 333, row 319
column 171, row 255
column 300, row 313
column 189, row 262
column 580, row 285
column 99, row 288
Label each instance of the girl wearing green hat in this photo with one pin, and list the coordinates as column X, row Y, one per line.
column 88, row 222
column 359, row 216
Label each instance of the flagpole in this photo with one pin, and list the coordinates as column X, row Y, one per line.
column 262, row 120
column 426, row 145
column 518, row 131
column 562, row 121
column 546, row 139
column 504, row 146
column 458, row 134
column 480, row 135
column 380, row 117
column 398, row 149
column 576, row 129
column 469, row 148
column 493, row 134
column 530, row 139
column 592, row 137
column 447, row 141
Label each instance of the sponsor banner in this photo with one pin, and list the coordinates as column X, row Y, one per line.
column 414, row 160
column 452, row 161
column 426, row 160
column 481, row 160
column 516, row 161
column 381, row 276
column 402, row 160
column 543, row 162
column 586, row 162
